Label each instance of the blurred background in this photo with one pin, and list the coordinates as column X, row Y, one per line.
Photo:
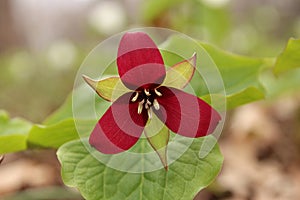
column 43, row 43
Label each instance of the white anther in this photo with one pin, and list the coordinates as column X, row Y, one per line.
column 149, row 113
column 156, row 104
column 157, row 92
column 148, row 102
column 140, row 107
column 147, row 106
column 147, row 92
column 135, row 97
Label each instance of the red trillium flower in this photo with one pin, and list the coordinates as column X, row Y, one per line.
column 151, row 91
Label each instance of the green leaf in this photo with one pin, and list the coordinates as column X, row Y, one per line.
column 109, row 89
column 179, row 75
column 239, row 74
column 245, row 96
column 13, row 133
column 289, row 58
column 185, row 177
column 53, row 136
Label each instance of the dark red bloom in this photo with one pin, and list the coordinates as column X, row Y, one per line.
column 141, row 69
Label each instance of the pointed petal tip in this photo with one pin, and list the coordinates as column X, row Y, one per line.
column 166, row 168
column 89, row 81
column 193, row 59
column 194, row 54
column 163, row 159
column 85, row 77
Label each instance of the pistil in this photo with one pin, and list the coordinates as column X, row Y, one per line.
column 147, row 98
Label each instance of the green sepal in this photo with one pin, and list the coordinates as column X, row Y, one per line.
column 109, row 88
column 158, row 135
column 180, row 74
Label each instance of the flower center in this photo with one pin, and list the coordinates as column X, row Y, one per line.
column 147, row 98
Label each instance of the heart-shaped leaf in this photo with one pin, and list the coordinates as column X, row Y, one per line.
column 185, row 177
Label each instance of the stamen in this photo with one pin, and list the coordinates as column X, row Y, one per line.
column 140, row 107
column 148, row 102
column 135, row 97
column 156, row 104
column 157, row 92
column 147, row 92
column 149, row 113
column 147, row 106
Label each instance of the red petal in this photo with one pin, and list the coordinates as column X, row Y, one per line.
column 186, row 114
column 139, row 61
column 119, row 128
